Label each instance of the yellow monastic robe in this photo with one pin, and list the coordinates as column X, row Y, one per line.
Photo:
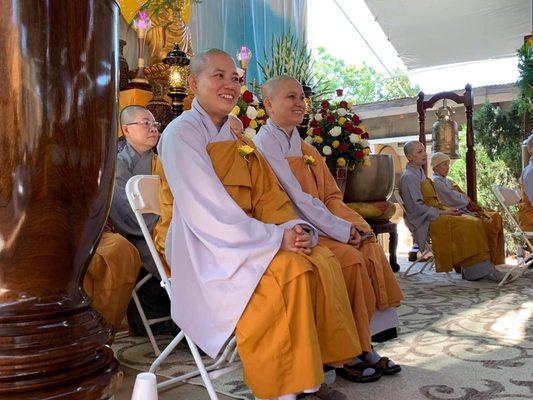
column 525, row 213
column 493, row 225
column 317, row 181
column 314, row 323
column 456, row 240
column 111, row 277
column 166, row 200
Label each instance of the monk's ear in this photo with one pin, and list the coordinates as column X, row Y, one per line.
column 193, row 83
column 268, row 103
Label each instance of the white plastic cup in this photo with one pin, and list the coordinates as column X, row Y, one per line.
column 145, row 387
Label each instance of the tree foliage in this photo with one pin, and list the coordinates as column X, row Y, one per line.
column 361, row 83
column 490, row 171
column 500, row 134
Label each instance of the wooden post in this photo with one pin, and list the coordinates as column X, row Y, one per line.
column 471, row 181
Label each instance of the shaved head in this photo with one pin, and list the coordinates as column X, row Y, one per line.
column 271, row 87
column 410, row 147
column 200, row 60
column 129, row 113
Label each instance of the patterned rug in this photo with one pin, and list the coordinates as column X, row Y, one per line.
column 459, row 340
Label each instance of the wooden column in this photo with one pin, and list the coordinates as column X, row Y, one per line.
column 471, row 179
column 58, row 99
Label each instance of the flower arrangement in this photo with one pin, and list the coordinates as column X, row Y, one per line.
column 250, row 112
column 338, row 135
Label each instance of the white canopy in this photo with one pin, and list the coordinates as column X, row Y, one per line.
column 427, row 33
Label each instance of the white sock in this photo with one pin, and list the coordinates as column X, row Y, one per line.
column 373, row 357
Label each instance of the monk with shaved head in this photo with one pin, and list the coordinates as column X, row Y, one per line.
column 457, row 240
column 242, row 261
column 373, row 290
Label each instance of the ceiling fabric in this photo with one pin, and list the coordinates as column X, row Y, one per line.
column 427, row 33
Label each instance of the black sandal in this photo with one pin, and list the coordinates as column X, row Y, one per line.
column 382, row 366
column 354, row 373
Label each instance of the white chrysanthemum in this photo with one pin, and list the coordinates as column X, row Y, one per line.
column 335, row 131
column 341, row 112
column 365, row 143
column 251, row 112
column 318, row 117
column 309, row 139
column 326, row 150
column 249, row 132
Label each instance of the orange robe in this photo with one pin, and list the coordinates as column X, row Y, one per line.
column 465, row 232
column 378, row 286
column 493, row 225
column 111, row 277
column 166, row 200
column 299, row 316
column 525, row 213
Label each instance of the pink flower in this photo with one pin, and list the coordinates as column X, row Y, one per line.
column 339, row 92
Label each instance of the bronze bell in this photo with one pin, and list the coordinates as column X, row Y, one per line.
column 446, row 133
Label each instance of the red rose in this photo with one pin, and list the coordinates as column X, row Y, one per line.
column 343, row 104
column 364, row 135
column 349, row 127
column 313, row 123
column 324, row 113
column 358, row 131
column 359, row 154
column 317, row 131
column 248, row 97
column 330, row 119
column 356, row 119
column 339, row 92
column 245, row 121
column 324, row 104
column 344, row 147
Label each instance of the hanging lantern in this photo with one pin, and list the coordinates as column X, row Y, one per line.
column 177, row 78
column 446, row 133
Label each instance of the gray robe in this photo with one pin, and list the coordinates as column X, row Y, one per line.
column 527, row 180
column 276, row 145
column 217, row 253
column 447, row 195
column 130, row 163
column 418, row 215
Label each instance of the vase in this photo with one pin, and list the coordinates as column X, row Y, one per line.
column 371, row 183
column 58, row 107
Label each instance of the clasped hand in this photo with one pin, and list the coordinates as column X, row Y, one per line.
column 296, row 240
column 355, row 237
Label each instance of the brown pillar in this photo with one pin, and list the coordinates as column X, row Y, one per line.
column 471, row 178
column 58, row 99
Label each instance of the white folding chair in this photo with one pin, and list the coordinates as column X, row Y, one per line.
column 143, row 195
column 426, row 256
column 510, row 198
